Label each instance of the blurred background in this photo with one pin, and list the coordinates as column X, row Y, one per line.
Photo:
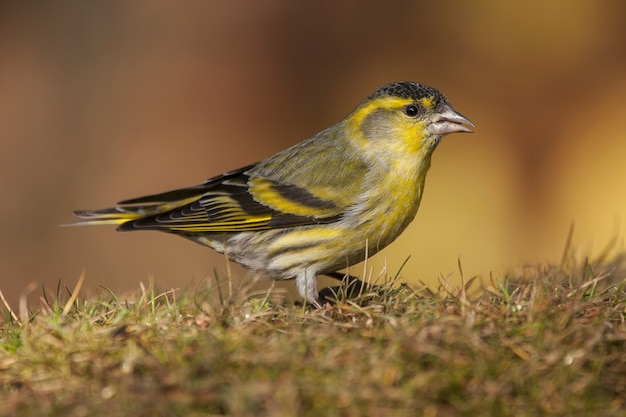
column 102, row 101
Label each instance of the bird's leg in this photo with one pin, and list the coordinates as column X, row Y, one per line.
column 307, row 287
column 348, row 280
column 352, row 285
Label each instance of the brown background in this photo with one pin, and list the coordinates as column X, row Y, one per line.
column 101, row 101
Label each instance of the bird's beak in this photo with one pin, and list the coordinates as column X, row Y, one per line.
column 447, row 121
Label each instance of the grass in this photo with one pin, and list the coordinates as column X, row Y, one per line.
column 546, row 340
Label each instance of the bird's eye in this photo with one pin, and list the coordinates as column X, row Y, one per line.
column 411, row 110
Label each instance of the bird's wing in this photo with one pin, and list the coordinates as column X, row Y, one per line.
column 232, row 202
column 313, row 182
column 320, row 177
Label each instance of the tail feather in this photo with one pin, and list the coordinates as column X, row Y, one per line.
column 123, row 214
column 114, row 215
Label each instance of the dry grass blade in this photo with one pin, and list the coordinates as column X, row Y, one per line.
column 74, row 295
column 8, row 308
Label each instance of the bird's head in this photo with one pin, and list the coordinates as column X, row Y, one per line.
column 405, row 117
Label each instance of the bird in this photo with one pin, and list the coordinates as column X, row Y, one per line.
column 318, row 206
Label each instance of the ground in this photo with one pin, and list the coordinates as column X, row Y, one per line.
column 546, row 340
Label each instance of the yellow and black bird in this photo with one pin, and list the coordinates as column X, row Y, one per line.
column 318, row 206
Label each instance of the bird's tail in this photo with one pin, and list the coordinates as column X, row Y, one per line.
column 114, row 215
column 127, row 211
